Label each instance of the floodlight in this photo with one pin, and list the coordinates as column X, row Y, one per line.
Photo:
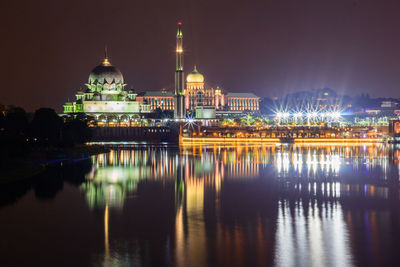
column 298, row 114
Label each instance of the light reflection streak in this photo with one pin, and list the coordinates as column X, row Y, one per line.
column 306, row 228
column 115, row 175
column 319, row 238
column 106, row 241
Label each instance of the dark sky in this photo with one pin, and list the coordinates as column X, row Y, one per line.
column 269, row 47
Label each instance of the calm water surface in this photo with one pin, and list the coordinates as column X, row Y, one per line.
column 213, row 205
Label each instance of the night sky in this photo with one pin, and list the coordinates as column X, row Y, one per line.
column 268, row 47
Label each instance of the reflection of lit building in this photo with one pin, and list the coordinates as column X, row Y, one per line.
column 245, row 200
column 190, row 233
column 394, row 129
column 327, row 161
column 109, row 186
column 305, row 232
column 116, row 175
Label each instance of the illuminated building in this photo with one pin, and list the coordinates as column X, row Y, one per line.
column 196, row 94
column 107, row 100
column 242, row 101
column 163, row 100
column 106, row 97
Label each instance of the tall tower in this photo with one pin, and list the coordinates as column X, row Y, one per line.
column 179, row 112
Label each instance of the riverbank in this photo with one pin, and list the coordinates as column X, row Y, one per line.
column 196, row 140
column 39, row 160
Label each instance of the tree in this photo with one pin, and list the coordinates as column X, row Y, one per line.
column 76, row 131
column 2, row 117
column 46, row 126
column 267, row 121
column 258, row 121
column 250, row 120
column 15, row 122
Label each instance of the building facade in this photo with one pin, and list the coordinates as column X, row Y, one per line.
column 243, row 101
column 107, row 100
column 163, row 100
column 196, row 94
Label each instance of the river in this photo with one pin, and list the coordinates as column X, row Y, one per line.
column 209, row 205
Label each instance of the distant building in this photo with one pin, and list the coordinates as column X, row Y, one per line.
column 105, row 97
column 205, row 112
column 243, row 101
column 163, row 100
column 107, row 100
column 389, row 104
column 373, row 111
column 196, row 94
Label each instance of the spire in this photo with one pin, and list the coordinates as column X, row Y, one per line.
column 179, row 48
column 179, row 112
column 179, row 32
column 106, row 62
column 195, row 68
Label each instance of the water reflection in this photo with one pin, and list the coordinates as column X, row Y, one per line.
column 115, row 176
column 233, row 204
column 313, row 234
column 244, row 205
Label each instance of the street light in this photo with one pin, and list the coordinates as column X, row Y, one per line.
column 297, row 116
column 278, row 115
column 286, row 116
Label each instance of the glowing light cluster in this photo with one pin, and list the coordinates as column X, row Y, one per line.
column 308, row 116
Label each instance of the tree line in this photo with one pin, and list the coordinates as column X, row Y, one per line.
column 22, row 132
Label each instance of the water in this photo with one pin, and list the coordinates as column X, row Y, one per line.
column 213, row 205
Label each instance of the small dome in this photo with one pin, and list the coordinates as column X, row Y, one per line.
column 106, row 73
column 195, row 77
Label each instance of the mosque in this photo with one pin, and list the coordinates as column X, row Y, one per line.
column 107, row 99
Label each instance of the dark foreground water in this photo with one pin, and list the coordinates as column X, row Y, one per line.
column 209, row 205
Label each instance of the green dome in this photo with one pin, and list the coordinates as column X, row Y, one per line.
column 106, row 73
column 195, row 77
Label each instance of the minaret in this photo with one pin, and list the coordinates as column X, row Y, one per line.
column 179, row 111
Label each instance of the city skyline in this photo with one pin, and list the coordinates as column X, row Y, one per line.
column 266, row 48
column 200, row 133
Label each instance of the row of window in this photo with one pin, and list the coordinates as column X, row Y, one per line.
column 243, row 102
column 159, row 101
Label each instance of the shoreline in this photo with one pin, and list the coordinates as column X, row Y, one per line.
column 188, row 140
column 39, row 162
